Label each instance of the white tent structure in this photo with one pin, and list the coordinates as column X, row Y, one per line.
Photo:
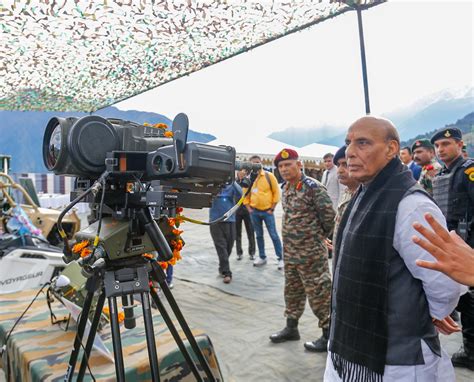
column 316, row 150
column 246, row 146
column 267, row 148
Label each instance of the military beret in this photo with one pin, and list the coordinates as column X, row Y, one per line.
column 284, row 155
column 422, row 143
column 341, row 153
column 450, row 132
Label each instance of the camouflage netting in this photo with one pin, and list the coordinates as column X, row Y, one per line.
column 85, row 55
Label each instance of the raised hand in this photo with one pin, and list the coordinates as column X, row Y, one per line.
column 454, row 257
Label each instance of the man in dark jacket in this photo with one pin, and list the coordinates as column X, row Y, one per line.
column 384, row 308
column 223, row 233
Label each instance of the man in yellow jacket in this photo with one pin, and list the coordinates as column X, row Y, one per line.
column 261, row 202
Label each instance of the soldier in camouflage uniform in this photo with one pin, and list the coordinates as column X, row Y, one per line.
column 307, row 221
column 424, row 155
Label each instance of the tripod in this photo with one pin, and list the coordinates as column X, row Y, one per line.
column 125, row 278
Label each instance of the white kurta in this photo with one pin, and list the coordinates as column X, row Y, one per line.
column 333, row 187
column 441, row 292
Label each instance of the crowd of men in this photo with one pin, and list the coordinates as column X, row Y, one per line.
column 382, row 309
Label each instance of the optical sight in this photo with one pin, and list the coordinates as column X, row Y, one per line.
column 86, row 147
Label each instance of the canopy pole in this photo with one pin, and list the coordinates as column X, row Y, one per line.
column 364, row 63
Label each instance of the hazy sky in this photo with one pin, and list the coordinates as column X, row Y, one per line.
column 414, row 48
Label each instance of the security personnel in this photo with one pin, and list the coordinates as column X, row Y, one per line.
column 453, row 190
column 307, row 221
column 424, row 156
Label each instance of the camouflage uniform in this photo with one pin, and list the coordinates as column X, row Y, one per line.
column 428, row 172
column 308, row 219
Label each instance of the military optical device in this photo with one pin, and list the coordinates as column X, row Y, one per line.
column 86, row 147
column 144, row 173
column 134, row 177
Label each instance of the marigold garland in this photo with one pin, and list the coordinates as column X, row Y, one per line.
column 162, row 126
column 121, row 315
column 82, row 248
column 173, row 235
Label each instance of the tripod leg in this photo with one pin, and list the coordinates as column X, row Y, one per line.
column 159, row 275
column 91, row 337
column 91, row 285
column 150, row 337
column 175, row 334
column 114, row 325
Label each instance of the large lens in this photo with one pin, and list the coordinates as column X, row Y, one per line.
column 55, row 150
column 54, row 146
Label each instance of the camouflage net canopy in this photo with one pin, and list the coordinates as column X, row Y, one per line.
column 65, row 55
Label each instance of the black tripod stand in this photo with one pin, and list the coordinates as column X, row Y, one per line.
column 125, row 278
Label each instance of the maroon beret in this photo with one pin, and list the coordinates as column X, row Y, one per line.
column 285, row 154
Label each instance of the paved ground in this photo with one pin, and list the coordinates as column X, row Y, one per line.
column 240, row 316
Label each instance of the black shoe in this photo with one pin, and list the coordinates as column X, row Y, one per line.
column 289, row 332
column 239, row 256
column 463, row 359
column 320, row 345
column 252, row 257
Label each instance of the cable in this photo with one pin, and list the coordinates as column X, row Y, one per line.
column 24, row 312
column 97, row 235
column 85, row 353
column 94, row 189
column 224, row 217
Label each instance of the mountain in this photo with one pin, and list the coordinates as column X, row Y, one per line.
column 302, row 136
column 22, row 133
column 465, row 124
column 427, row 114
column 432, row 112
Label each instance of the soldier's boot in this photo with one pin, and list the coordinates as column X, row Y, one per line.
column 464, row 357
column 320, row 345
column 289, row 332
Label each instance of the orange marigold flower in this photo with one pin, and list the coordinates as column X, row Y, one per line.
column 85, row 252
column 148, row 255
column 78, row 247
column 179, row 219
column 106, row 311
column 172, row 261
column 121, row 317
column 168, row 134
column 177, row 245
column 163, row 264
column 177, row 232
column 146, row 124
column 171, row 222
